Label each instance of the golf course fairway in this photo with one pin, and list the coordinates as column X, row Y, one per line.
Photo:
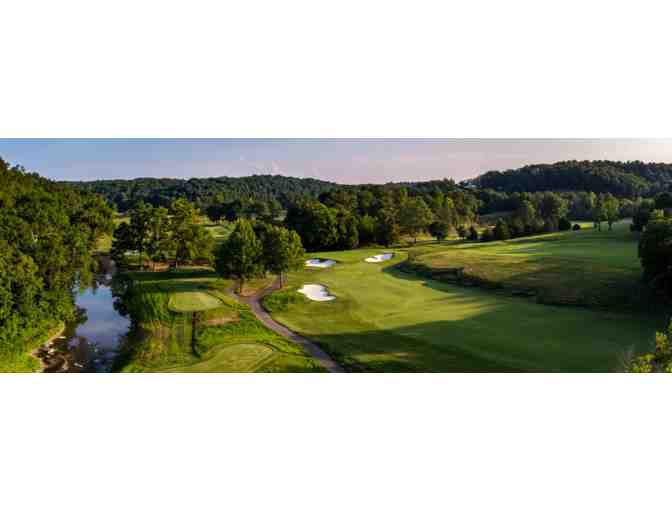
column 385, row 320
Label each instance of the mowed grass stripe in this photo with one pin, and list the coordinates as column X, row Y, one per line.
column 386, row 320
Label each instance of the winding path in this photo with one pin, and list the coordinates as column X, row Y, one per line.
column 254, row 302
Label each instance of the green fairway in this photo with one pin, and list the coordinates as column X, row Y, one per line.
column 587, row 267
column 386, row 320
column 185, row 322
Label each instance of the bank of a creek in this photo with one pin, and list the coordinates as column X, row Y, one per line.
column 92, row 341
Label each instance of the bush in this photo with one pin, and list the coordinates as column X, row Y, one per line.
column 564, row 224
column 576, row 226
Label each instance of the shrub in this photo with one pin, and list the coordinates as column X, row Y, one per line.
column 576, row 226
column 564, row 224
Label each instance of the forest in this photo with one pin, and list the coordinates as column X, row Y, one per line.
column 48, row 232
column 628, row 179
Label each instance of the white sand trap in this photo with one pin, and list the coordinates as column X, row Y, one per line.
column 316, row 292
column 379, row 258
column 320, row 263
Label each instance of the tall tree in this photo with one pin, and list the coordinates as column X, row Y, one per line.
column 282, row 252
column 139, row 225
column 159, row 239
column 241, row 256
column 414, row 217
column 387, row 228
column 610, row 207
column 655, row 254
column 190, row 240
column 315, row 223
column 439, row 230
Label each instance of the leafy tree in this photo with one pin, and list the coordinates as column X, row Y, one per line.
column 660, row 360
column 123, row 241
column 655, row 253
column 516, row 226
column 159, row 240
column 439, row 230
column 282, row 252
column 367, row 229
column 610, row 208
column 641, row 217
column 414, row 217
column 551, row 208
column 315, row 223
column 190, row 240
column 501, row 231
column 387, row 229
column 347, row 232
column 48, row 233
column 664, row 202
column 599, row 213
column 139, row 225
column 241, row 256
column 526, row 212
column 564, row 224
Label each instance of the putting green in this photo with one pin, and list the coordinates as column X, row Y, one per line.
column 193, row 301
column 385, row 320
column 232, row 358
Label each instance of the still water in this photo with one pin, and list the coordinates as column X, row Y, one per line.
column 94, row 340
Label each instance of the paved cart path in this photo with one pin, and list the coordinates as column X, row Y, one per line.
column 254, row 302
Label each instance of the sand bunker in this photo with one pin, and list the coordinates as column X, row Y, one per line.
column 379, row 258
column 316, row 292
column 320, row 263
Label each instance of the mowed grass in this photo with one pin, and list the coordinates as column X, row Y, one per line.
column 586, row 267
column 386, row 320
column 186, row 322
column 195, row 300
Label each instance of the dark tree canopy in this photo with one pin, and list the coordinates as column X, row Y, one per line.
column 48, row 234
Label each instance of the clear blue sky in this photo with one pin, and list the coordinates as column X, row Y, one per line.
column 346, row 161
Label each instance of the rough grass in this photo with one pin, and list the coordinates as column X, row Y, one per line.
column 576, row 268
column 185, row 322
column 386, row 320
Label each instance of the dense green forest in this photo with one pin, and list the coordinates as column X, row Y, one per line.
column 125, row 194
column 631, row 180
column 47, row 235
column 622, row 179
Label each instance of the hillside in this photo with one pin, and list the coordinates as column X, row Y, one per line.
column 622, row 179
column 124, row 194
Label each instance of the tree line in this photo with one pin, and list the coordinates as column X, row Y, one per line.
column 627, row 179
column 48, row 233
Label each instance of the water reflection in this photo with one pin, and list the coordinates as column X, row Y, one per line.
column 93, row 341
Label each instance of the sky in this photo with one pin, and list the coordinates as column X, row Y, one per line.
column 338, row 160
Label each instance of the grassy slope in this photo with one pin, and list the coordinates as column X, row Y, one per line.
column 584, row 268
column 386, row 320
column 228, row 338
